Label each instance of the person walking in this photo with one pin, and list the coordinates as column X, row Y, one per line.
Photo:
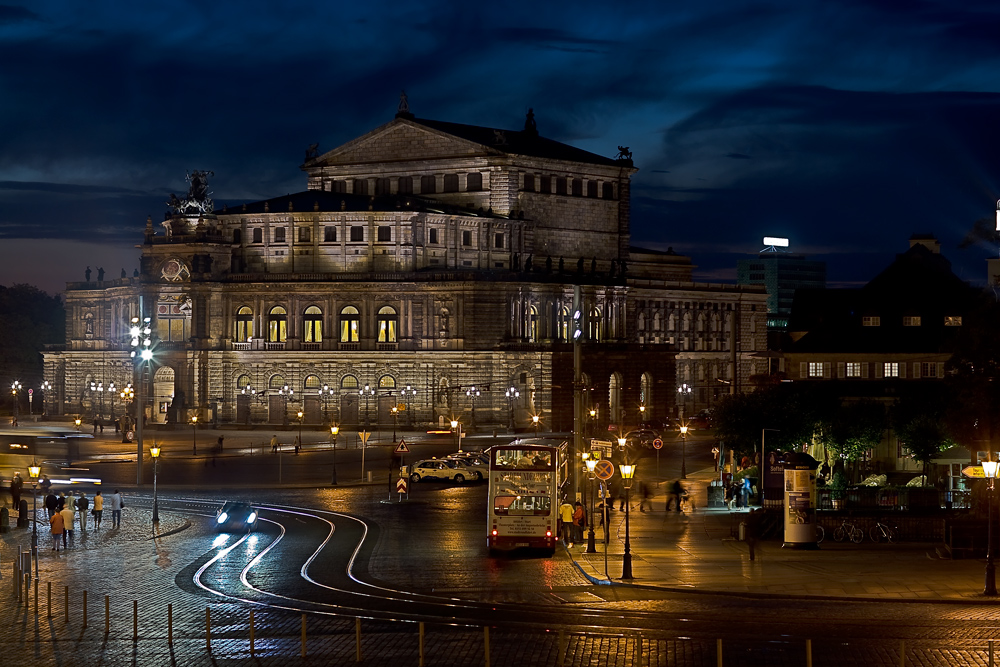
column 60, row 502
column 50, row 504
column 67, row 514
column 566, row 521
column 751, row 529
column 57, row 527
column 579, row 519
column 645, row 495
column 674, row 497
column 274, row 444
column 16, row 485
column 82, row 505
column 117, row 503
column 98, row 510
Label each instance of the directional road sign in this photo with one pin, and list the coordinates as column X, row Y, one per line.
column 401, row 485
column 974, row 471
column 604, row 469
column 657, row 443
column 401, row 448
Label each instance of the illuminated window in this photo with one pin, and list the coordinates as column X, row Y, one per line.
column 853, row 369
column 277, row 325
column 388, row 323
column 244, row 325
column 533, row 324
column 387, row 382
column 350, row 324
column 953, row 320
column 871, row 321
column 815, row 369
column 911, row 321
column 890, row 369
column 349, row 382
column 562, row 333
column 313, row 321
column 594, row 325
column 311, row 382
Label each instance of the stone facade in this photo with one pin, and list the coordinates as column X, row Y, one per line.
column 423, row 260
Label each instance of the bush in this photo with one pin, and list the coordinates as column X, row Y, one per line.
column 838, row 487
column 875, row 480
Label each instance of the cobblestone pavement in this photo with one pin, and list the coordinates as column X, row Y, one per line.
column 131, row 565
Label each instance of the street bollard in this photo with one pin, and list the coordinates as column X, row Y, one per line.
column 718, row 653
column 27, row 587
column 560, row 659
column 809, row 653
column 421, row 644
column 486, row 643
column 36, row 598
column 17, row 579
column 107, row 615
column 66, row 603
column 85, row 608
column 303, row 635
column 208, row 629
column 49, row 587
column 251, row 633
column 902, row 653
column 170, row 623
column 135, row 620
column 357, row 640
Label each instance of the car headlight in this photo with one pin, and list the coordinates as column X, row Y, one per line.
column 252, row 517
column 222, row 518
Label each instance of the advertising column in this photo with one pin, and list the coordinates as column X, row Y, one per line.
column 800, row 501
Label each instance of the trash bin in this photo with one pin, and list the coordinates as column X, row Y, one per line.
column 4, row 520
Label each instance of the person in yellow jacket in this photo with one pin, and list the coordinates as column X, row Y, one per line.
column 98, row 510
column 58, row 526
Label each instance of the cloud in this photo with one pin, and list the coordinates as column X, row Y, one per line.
column 15, row 14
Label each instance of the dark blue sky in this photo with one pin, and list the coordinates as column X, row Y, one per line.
column 846, row 126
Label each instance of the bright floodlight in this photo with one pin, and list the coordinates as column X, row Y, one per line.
column 147, row 355
column 776, row 241
column 990, row 468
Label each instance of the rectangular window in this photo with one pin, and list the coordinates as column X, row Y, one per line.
column 592, row 189
column 911, row 321
column 258, row 235
column 466, row 238
column 382, row 186
column 928, row 370
column 361, row 186
column 474, row 182
column 577, row 187
column 432, row 235
column 953, row 320
column 451, row 182
column 545, row 185
column 871, row 321
column 304, row 235
column 529, row 182
column 853, row 369
column 560, row 185
column 405, row 185
column 428, row 185
column 607, row 191
column 340, row 186
column 357, row 233
column 498, row 241
column 890, row 369
column 815, row 369
column 279, row 234
column 385, row 233
column 330, row 234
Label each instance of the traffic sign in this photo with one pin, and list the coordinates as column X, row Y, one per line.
column 364, row 435
column 657, row 443
column 401, row 448
column 401, row 485
column 604, row 469
column 974, row 471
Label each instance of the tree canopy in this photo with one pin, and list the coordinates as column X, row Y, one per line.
column 29, row 320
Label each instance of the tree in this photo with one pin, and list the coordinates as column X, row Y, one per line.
column 29, row 319
column 792, row 409
column 920, row 426
column 853, row 428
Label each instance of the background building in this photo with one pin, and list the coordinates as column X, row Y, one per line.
column 427, row 265
column 781, row 272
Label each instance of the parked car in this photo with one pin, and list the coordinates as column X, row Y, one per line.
column 236, row 516
column 442, row 469
column 478, row 469
column 642, row 438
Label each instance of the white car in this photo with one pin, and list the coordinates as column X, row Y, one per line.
column 477, row 469
column 442, row 469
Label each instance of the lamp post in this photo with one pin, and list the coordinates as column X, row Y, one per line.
column 534, row 422
column 194, row 434
column 684, row 442
column 141, row 341
column 325, row 392
column 299, row 414
column 590, row 424
column 591, row 463
column 154, row 451
column 990, row 468
column 408, row 393
column 395, row 418
column 642, row 415
column 289, row 392
column 456, row 426
column 627, row 471
column 100, row 398
column 15, row 389
column 34, row 470
column 77, row 421
column 512, row 395
column 367, row 392
column 334, row 431
column 46, row 388
column 473, row 393
column 111, row 388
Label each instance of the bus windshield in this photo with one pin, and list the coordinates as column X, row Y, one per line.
column 522, row 459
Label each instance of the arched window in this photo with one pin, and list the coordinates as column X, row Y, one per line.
column 276, row 382
column 686, row 322
column 242, row 381
column 564, row 325
column 243, row 331
column 594, row 325
column 388, row 324
column 533, row 324
column 349, row 382
column 350, row 325
column 387, row 382
column 645, row 390
column 656, row 321
column 277, row 325
column 642, row 322
column 615, row 407
column 311, row 382
column 313, row 330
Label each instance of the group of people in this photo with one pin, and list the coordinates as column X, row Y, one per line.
column 572, row 519
column 63, row 511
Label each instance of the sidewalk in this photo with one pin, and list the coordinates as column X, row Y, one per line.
column 697, row 551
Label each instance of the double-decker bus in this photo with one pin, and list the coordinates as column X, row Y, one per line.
column 523, row 504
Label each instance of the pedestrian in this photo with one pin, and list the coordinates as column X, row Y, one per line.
column 274, row 443
column 645, row 497
column 579, row 520
column 715, row 457
column 67, row 515
column 117, row 503
column 60, row 502
column 98, row 510
column 566, row 522
column 96, row 421
column 218, row 446
column 58, row 526
column 50, row 504
column 15, row 490
column 298, row 442
column 82, row 505
column 621, row 499
column 751, row 528
column 674, row 497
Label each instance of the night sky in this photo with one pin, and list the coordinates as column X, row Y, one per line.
column 845, row 126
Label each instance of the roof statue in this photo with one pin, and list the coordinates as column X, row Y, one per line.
column 403, row 111
column 623, row 153
column 529, row 123
column 312, row 151
column 198, row 200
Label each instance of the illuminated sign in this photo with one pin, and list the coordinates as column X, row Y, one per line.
column 776, row 241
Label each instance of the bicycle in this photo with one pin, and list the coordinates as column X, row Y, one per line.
column 848, row 531
column 820, row 533
column 881, row 532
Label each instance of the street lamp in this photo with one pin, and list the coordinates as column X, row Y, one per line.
column 15, row 389
column 34, row 470
column 154, row 451
column 325, row 392
column 410, row 392
column 534, row 421
column 685, row 393
column 990, row 468
column 684, row 442
column 456, row 426
column 512, row 395
column 395, row 417
column 367, row 392
column 591, row 463
column 299, row 414
column 642, row 415
column 194, row 434
column 111, row 388
column 46, row 388
column 77, row 422
column 334, row 431
column 628, row 471
column 100, row 395
column 473, row 393
column 593, row 417
column 141, row 335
